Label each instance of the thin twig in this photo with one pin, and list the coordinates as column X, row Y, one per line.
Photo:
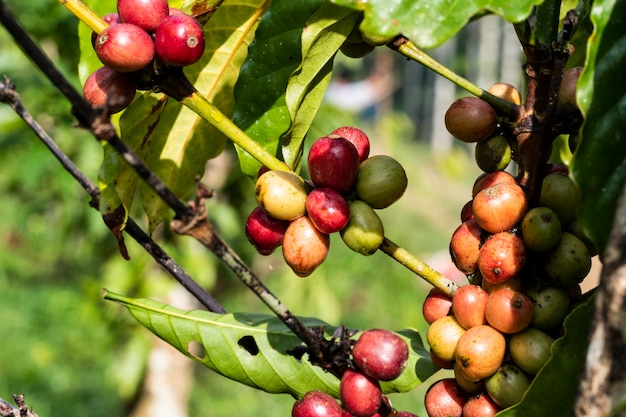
column 22, row 410
column 11, row 97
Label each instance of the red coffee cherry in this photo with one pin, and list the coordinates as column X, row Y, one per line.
column 105, row 87
column 147, row 14
column 124, row 47
column 381, row 354
column 179, row 40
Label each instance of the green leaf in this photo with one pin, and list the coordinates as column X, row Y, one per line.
column 560, row 375
column 276, row 52
column 325, row 32
column 253, row 348
column 599, row 164
column 173, row 141
column 430, row 23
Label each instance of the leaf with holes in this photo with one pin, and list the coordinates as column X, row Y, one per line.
column 253, row 348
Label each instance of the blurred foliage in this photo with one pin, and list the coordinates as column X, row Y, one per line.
column 73, row 354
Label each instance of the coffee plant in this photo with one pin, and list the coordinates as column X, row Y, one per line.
column 166, row 85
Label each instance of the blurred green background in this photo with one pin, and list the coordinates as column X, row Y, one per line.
column 73, row 354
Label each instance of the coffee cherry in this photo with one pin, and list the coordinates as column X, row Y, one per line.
column 179, row 40
column 316, row 404
column 541, row 229
column 436, row 305
column 381, row 181
column 264, row 232
column 443, row 335
column 480, row 406
column 507, row 386
column 359, row 394
column 281, row 194
column 327, row 209
column 501, row 257
column 500, row 207
column 487, row 179
column 471, row 119
column 440, row 363
column 550, row 306
column 509, row 311
column 444, row 398
column 466, row 212
column 480, row 352
column 333, row 162
column 147, row 14
column 562, row 195
column 515, row 283
column 530, row 349
column 493, row 154
column 465, row 246
column 567, row 90
column 468, row 305
column 569, row 262
column 357, row 137
column 110, row 19
column 105, row 87
column 506, row 92
column 304, row 247
column 124, row 47
column 380, row 354
column 469, row 387
column 364, row 232
column 356, row 49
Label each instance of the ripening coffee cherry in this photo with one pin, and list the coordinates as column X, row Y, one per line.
column 567, row 90
column 487, row 179
column 327, row 209
column 333, row 162
column 509, row 311
column 357, row 137
column 471, row 119
column 364, row 232
column 465, row 246
column 443, row 335
column 316, row 404
column 469, row 387
column 500, row 207
column 493, row 154
column 304, row 247
column 105, row 87
column 551, row 305
column 147, row 14
column 541, row 229
column 480, row 406
column 480, row 352
column 264, row 232
column 436, row 305
column 530, row 349
column 110, row 19
column 501, row 257
column 124, row 47
column 359, row 394
column 507, row 386
column 562, row 195
column 569, row 262
column 468, row 305
column 281, row 194
column 179, row 40
column 380, row 181
column 444, row 398
column 380, row 354
column 506, row 92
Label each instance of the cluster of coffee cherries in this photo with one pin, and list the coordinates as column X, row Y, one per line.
column 378, row 355
column 140, row 33
column 345, row 188
column 524, row 264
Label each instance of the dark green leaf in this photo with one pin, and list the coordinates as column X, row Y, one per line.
column 559, row 377
column 276, row 52
column 253, row 348
column 430, row 23
column 599, row 164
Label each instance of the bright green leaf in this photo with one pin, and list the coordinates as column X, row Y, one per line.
column 599, row 164
column 325, row 32
column 560, row 376
column 430, row 23
column 261, row 109
column 253, row 348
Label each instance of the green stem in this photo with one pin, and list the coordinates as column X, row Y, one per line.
column 411, row 51
column 423, row 270
column 547, row 23
column 85, row 14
